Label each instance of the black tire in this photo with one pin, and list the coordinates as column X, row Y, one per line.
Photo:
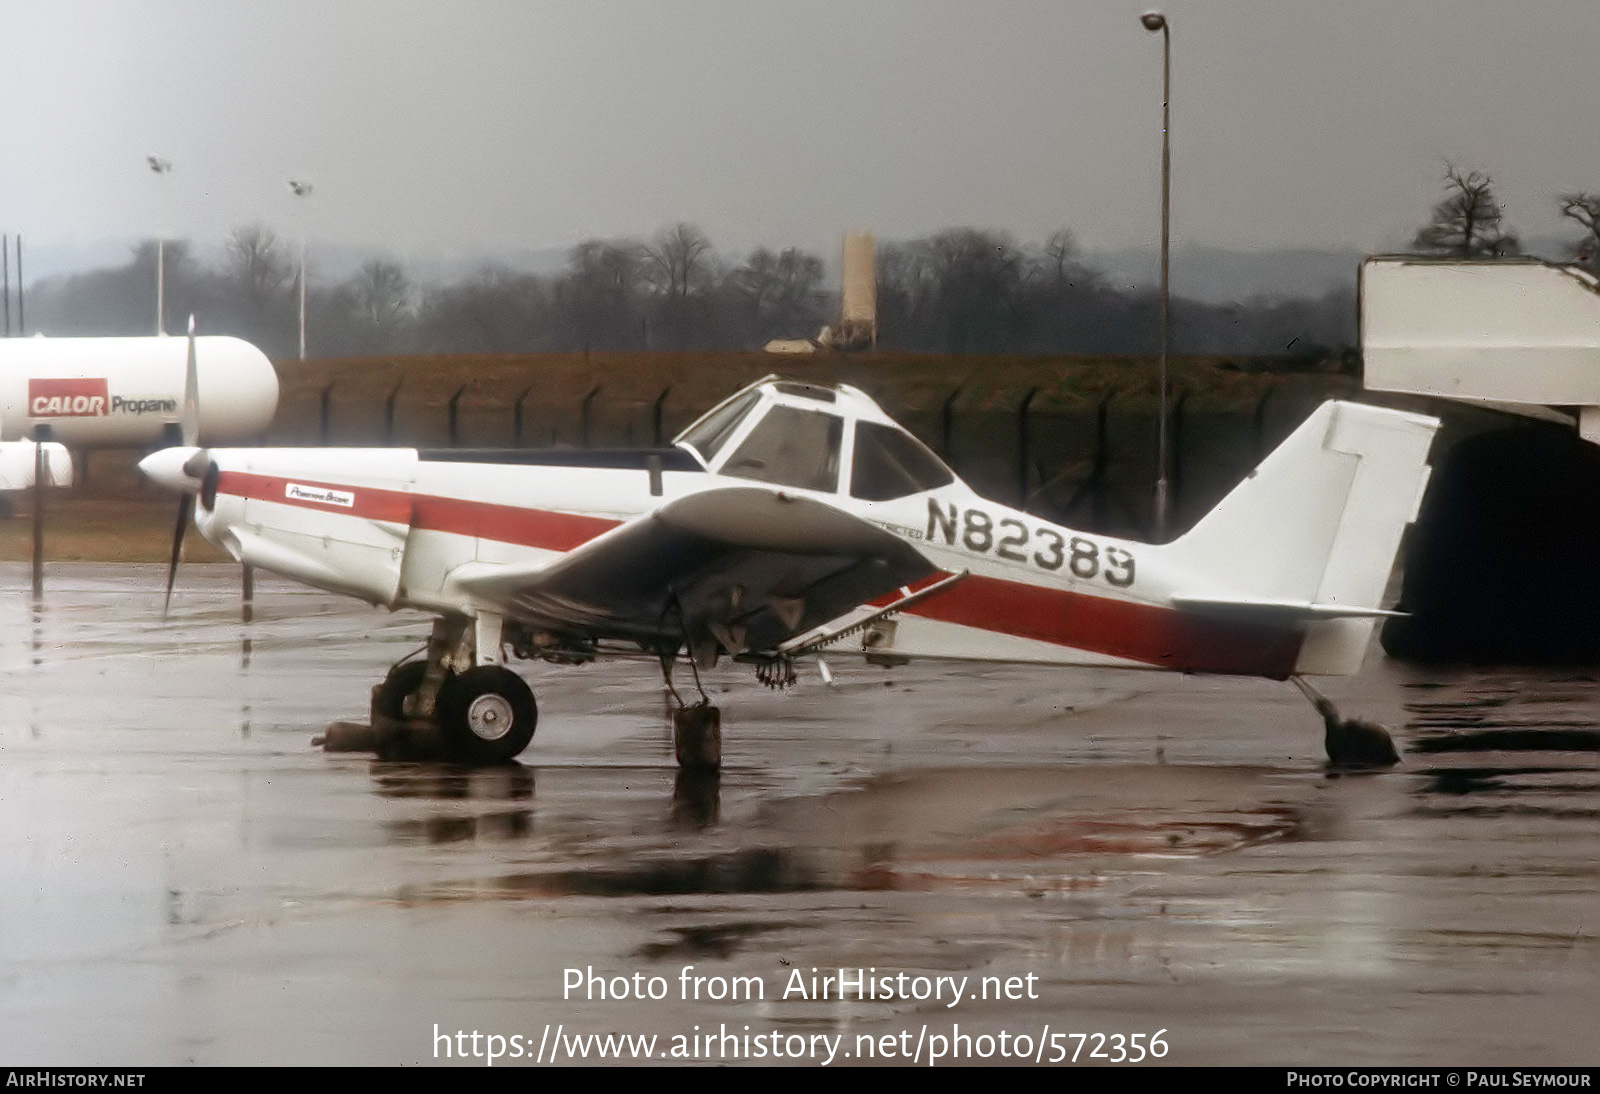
column 402, row 681
column 486, row 715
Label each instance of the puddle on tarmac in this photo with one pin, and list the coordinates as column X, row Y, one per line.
column 449, row 782
column 1509, row 745
column 1542, row 737
column 1483, row 748
column 719, row 940
column 1007, row 830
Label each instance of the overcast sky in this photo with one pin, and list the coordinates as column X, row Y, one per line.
column 458, row 126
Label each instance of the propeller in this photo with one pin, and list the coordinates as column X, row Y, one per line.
column 189, row 470
column 189, row 422
column 185, row 509
column 41, row 474
column 189, row 433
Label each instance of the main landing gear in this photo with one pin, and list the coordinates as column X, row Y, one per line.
column 481, row 711
column 460, row 701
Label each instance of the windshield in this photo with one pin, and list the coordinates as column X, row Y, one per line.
column 891, row 464
column 791, row 447
column 708, row 435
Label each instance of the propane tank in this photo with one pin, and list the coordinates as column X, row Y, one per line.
column 98, row 392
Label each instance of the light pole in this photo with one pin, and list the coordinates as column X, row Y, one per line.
column 162, row 168
column 302, row 190
column 1154, row 21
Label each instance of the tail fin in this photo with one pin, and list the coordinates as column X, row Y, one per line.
column 1311, row 534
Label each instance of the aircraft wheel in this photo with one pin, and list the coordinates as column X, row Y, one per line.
column 487, row 714
column 697, row 737
column 389, row 697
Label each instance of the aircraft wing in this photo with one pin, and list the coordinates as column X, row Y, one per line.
column 749, row 566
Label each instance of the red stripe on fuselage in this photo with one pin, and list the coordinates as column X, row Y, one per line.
column 368, row 504
column 1151, row 635
column 915, row 587
column 544, row 528
column 541, row 528
column 1165, row 637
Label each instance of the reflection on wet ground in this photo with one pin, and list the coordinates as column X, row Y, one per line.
column 182, row 877
column 1510, row 745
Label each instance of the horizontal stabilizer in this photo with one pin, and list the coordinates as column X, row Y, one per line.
column 1281, row 612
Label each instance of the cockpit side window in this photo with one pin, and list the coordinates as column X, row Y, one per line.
column 709, row 435
column 791, row 447
column 890, row 464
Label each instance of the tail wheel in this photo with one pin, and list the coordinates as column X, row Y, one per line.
column 487, row 714
column 389, row 700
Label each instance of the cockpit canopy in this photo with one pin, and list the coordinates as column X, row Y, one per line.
column 831, row 440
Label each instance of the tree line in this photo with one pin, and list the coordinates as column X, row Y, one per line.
column 1469, row 222
column 963, row 290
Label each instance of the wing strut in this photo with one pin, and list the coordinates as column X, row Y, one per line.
column 802, row 644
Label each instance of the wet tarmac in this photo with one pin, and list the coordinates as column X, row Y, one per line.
column 184, row 878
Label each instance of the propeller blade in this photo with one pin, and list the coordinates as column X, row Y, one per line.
column 189, row 424
column 41, row 472
column 185, row 508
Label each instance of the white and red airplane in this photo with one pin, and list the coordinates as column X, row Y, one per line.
column 794, row 519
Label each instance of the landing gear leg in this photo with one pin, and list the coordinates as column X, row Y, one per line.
column 1350, row 742
column 696, row 728
column 449, row 651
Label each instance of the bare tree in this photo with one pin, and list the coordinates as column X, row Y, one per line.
column 1059, row 258
column 256, row 262
column 978, row 275
column 1467, row 221
column 186, row 288
column 118, row 299
column 383, row 295
column 1584, row 209
column 610, row 266
column 780, row 292
column 496, row 310
column 683, row 269
column 681, row 260
column 598, row 299
column 256, row 297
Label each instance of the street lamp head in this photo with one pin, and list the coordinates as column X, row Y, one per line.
column 1153, row 21
column 301, row 189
